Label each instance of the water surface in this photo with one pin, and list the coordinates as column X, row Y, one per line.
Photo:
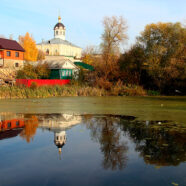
column 93, row 141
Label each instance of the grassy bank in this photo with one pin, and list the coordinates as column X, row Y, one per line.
column 10, row 92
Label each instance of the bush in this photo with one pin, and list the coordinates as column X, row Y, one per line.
column 33, row 85
column 41, row 55
column 103, row 84
column 134, row 90
column 153, row 93
column 29, row 71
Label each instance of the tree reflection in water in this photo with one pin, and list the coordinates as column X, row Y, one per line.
column 105, row 130
column 159, row 143
column 31, row 125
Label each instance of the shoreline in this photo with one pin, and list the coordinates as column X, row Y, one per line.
column 17, row 92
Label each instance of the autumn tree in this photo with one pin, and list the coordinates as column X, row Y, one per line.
column 107, row 70
column 89, row 54
column 184, row 23
column 41, row 55
column 131, row 64
column 28, row 43
column 165, row 51
column 114, row 34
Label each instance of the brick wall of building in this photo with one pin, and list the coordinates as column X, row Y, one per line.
column 13, row 55
column 11, row 63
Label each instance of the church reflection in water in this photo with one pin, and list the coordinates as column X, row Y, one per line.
column 59, row 124
column 60, row 139
column 159, row 143
column 25, row 125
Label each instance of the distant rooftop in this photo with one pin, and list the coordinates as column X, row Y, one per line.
column 10, row 45
column 57, row 41
column 56, row 64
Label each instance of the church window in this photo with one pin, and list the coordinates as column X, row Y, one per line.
column 56, row 32
column 61, row 32
column 47, row 51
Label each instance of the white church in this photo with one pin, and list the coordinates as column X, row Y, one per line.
column 59, row 46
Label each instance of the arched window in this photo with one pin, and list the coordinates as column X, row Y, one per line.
column 47, row 52
column 56, row 32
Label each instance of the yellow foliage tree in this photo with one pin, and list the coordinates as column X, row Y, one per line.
column 28, row 43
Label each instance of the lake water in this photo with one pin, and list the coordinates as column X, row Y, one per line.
column 93, row 141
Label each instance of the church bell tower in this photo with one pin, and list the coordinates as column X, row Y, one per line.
column 59, row 29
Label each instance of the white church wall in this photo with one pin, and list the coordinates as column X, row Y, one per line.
column 60, row 49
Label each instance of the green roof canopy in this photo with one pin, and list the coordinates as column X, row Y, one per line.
column 84, row 65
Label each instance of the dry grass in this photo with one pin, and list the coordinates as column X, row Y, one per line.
column 9, row 92
column 135, row 91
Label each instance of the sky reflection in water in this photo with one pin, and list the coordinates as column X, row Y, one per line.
column 62, row 149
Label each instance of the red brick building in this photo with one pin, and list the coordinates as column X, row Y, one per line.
column 11, row 54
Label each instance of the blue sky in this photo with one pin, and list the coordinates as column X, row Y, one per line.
column 83, row 18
